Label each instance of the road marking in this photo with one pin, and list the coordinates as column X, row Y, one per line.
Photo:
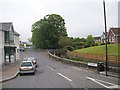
column 86, row 88
column 64, row 76
column 50, row 68
column 77, row 68
column 113, row 86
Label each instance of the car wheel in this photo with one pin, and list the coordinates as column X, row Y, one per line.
column 33, row 73
column 21, row 74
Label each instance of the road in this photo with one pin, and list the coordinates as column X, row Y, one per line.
column 54, row 74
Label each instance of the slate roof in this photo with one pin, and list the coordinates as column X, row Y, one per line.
column 97, row 37
column 5, row 26
column 15, row 33
column 116, row 31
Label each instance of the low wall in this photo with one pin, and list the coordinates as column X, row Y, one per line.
column 67, row 61
column 77, row 63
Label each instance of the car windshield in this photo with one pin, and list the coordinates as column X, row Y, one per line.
column 26, row 64
column 31, row 59
column 24, row 59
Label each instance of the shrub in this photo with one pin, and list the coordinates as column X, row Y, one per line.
column 95, row 44
column 86, row 45
column 102, row 44
column 70, row 48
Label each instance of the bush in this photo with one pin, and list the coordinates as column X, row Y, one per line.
column 75, row 59
column 95, row 44
column 86, row 45
column 70, row 48
column 78, row 59
column 102, row 44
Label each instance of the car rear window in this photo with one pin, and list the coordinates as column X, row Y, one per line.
column 31, row 59
column 26, row 64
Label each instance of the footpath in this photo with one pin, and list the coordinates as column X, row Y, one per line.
column 9, row 71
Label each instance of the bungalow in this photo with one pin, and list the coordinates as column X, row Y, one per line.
column 9, row 43
column 97, row 39
column 103, row 38
column 114, row 35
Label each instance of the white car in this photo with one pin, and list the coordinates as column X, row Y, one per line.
column 33, row 60
column 27, row 67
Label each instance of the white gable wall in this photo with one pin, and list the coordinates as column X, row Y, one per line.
column 16, row 42
column 1, row 47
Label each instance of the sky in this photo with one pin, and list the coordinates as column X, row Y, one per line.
column 82, row 17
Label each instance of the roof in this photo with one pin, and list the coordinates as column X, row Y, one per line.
column 15, row 33
column 116, row 31
column 5, row 26
column 24, row 42
column 97, row 37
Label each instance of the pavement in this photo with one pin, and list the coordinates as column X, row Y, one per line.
column 9, row 71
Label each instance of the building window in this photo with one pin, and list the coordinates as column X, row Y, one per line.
column 7, row 37
column 113, row 39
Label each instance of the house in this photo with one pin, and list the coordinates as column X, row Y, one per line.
column 9, row 43
column 23, row 44
column 97, row 39
column 103, row 40
column 114, row 35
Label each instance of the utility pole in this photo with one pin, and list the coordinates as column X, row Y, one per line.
column 105, row 38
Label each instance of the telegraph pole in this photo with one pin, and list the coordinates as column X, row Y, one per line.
column 105, row 38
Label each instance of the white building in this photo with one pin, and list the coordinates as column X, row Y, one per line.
column 9, row 43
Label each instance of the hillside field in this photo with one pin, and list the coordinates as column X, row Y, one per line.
column 113, row 49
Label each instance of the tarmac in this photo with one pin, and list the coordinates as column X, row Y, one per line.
column 11, row 70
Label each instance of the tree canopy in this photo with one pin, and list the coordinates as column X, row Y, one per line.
column 90, row 40
column 47, row 31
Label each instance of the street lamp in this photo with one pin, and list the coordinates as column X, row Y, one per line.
column 105, row 38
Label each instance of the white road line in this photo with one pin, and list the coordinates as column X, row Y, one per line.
column 77, row 68
column 64, row 76
column 86, row 88
column 50, row 68
column 96, row 81
column 101, row 83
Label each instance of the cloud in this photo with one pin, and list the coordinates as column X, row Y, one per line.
column 82, row 17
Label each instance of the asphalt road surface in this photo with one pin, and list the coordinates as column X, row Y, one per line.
column 54, row 74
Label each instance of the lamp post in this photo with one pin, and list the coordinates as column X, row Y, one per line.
column 105, row 38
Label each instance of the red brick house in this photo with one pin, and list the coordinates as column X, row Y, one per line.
column 114, row 35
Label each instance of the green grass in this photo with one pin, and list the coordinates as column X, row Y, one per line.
column 112, row 49
column 77, row 59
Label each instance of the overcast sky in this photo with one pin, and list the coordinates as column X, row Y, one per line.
column 82, row 17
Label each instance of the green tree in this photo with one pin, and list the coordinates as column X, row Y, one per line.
column 64, row 42
column 30, row 39
column 47, row 31
column 90, row 40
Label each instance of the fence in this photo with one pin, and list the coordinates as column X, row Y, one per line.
column 112, row 59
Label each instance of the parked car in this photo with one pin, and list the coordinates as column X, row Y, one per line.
column 27, row 67
column 33, row 60
column 22, row 49
column 25, row 59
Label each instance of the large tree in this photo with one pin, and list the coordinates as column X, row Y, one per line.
column 90, row 40
column 47, row 31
